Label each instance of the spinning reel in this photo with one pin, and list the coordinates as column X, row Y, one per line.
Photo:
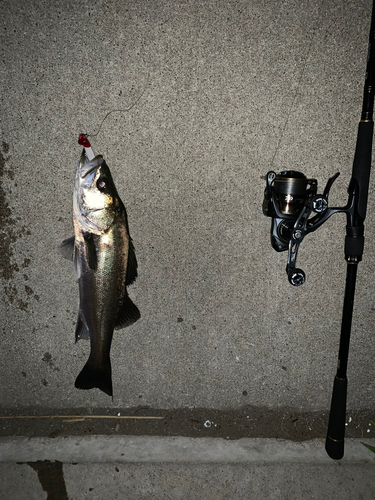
column 290, row 198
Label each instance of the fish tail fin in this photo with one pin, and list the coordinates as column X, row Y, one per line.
column 94, row 375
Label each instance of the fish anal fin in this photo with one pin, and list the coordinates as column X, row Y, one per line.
column 128, row 314
column 82, row 332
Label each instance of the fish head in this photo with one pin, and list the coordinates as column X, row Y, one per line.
column 95, row 201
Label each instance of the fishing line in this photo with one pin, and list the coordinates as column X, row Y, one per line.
column 115, row 111
column 296, row 94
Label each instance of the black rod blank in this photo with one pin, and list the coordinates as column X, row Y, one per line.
column 354, row 244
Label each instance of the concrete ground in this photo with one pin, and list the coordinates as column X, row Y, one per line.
column 97, row 467
column 220, row 91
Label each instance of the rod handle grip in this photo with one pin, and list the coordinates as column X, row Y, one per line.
column 337, row 417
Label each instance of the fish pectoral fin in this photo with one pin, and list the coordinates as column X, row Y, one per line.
column 129, row 313
column 66, row 248
column 131, row 270
column 90, row 251
column 82, row 332
column 90, row 254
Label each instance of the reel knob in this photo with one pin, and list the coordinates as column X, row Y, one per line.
column 296, row 277
column 319, row 204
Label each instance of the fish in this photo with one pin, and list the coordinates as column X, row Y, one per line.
column 105, row 264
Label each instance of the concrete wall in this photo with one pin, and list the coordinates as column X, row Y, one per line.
column 227, row 90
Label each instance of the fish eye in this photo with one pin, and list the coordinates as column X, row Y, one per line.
column 101, row 184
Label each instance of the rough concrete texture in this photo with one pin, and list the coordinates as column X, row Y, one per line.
column 191, row 481
column 128, row 449
column 173, row 468
column 224, row 91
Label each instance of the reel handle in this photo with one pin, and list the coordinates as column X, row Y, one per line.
column 296, row 276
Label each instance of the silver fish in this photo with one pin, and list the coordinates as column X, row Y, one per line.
column 104, row 264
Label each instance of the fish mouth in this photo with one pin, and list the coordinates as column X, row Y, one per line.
column 86, row 212
column 87, row 168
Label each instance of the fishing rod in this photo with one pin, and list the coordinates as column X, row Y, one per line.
column 296, row 209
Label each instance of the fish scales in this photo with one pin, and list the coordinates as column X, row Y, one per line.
column 104, row 263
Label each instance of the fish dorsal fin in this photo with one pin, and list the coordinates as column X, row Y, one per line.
column 131, row 270
column 66, row 248
column 128, row 314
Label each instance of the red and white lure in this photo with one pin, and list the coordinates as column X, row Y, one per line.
column 83, row 141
